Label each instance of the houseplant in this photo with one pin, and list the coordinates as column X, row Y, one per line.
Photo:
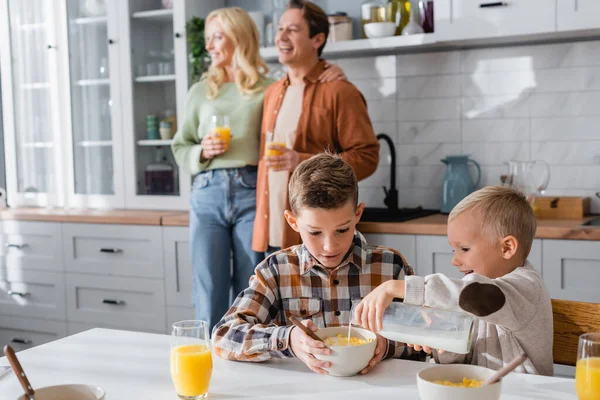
column 199, row 59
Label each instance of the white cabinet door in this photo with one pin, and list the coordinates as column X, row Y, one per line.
column 469, row 19
column 405, row 244
column 116, row 301
column 24, row 333
column 178, row 266
column 175, row 314
column 126, row 250
column 578, row 14
column 434, row 256
column 535, row 255
column 571, row 269
column 33, row 294
column 31, row 245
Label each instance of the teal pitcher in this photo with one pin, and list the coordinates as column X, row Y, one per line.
column 458, row 183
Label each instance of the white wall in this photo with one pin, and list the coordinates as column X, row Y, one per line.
column 495, row 104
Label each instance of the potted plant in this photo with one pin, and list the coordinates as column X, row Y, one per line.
column 199, row 59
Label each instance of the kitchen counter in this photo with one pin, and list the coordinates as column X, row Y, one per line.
column 133, row 365
column 431, row 225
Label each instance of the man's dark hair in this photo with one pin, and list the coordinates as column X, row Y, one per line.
column 315, row 17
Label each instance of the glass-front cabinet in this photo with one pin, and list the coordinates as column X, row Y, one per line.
column 31, row 101
column 93, row 90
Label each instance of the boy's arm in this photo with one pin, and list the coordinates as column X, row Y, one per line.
column 509, row 301
column 247, row 331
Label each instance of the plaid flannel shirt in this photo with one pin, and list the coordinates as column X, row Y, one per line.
column 292, row 282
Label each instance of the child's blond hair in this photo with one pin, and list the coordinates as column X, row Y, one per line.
column 502, row 211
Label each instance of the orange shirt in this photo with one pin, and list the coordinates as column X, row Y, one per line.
column 334, row 117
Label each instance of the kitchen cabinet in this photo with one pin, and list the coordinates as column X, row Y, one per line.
column 467, row 19
column 23, row 333
column 80, row 80
column 31, row 245
column 434, row 255
column 577, row 14
column 571, row 269
column 178, row 266
column 405, row 244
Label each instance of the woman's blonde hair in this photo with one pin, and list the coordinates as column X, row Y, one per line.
column 247, row 62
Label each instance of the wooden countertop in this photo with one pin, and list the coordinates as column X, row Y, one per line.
column 127, row 217
column 431, row 225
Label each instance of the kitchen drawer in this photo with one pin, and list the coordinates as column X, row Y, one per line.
column 118, row 302
column 468, row 19
column 37, row 294
column 175, row 314
column 78, row 327
column 31, row 245
column 123, row 250
column 24, row 333
column 178, row 266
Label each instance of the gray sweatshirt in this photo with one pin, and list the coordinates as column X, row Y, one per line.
column 514, row 316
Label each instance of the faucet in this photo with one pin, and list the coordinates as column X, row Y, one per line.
column 391, row 194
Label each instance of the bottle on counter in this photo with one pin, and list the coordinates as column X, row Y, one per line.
column 398, row 11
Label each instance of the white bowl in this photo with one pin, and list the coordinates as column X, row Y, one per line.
column 380, row 29
column 455, row 373
column 348, row 360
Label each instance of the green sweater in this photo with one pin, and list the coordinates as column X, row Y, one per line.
column 245, row 115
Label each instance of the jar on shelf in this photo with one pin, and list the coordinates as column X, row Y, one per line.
column 340, row 27
column 373, row 11
column 399, row 14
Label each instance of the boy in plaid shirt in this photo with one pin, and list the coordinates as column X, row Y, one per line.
column 318, row 281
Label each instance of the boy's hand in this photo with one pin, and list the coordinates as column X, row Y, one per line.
column 369, row 313
column 382, row 344
column 426, row 349
column 304, row 347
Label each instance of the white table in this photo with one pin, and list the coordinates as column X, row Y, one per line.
column 131, row 365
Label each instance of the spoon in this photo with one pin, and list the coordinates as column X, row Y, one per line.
column 518, row 360
column 16, row 366
column 310, row 333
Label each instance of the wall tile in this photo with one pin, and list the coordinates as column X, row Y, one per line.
column 428, row 109
column 495, row 130
column 582, row 54
column 382, row 110
column 425, row 154
column 506, row 106
column 376, row 89
column 369, row 67
column 496, row 153
column 567, row 153
column 429, row 132
column 428, row 63
column 565, row 128
column 565, row 104
column 575, row 177
column 428, row 86
column 420, row 176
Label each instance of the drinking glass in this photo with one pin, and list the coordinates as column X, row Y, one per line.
column 220, row 125
column 191, row 359
column 271, row 141
column 587, row 375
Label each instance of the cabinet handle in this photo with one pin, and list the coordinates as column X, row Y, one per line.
column 178, row 35
column 113, row 302
column 21, row 341
column 16, row 246
column 111, row 41
column 110, row 251
column 50, row 47
column 494, row 4
column 20, row 294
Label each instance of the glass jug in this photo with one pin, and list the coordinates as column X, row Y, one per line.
column 529, row 177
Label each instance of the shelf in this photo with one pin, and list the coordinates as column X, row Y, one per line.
column 155, row 78
column 154, row 142
column 35, row 86
column 33, row 27
column 95, row 143
column 93, row 82
column 162, row 15
column 357, row 47
column 91, row 20
column 37, row 145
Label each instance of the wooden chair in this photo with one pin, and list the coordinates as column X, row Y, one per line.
column 571, row 320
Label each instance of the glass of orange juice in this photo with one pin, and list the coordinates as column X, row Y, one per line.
column 271, row 141
column 587, row 375
column 191, row 359
column 220, row 125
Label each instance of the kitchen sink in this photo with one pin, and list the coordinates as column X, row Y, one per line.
column 595, row 223
column 399, row 215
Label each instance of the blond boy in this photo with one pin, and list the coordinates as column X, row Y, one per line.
column 317, row 281
column 491, row 232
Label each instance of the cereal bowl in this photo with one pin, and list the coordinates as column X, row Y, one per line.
column 348, row 360
column 429, row 390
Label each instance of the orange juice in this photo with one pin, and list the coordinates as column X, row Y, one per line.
column 587, row 378
column 191, row 368
column 272, row 152
column 225, row 133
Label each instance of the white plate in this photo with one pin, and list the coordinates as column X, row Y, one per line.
column 67, row 392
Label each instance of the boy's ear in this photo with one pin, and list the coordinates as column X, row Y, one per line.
column 359, row 211
column 291, row 220
column 510, row 246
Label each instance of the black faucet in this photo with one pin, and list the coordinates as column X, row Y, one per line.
column 391, row 194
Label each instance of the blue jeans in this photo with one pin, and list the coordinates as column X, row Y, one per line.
column 222, row 210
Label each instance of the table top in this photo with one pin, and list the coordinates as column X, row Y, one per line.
column 133, row 365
